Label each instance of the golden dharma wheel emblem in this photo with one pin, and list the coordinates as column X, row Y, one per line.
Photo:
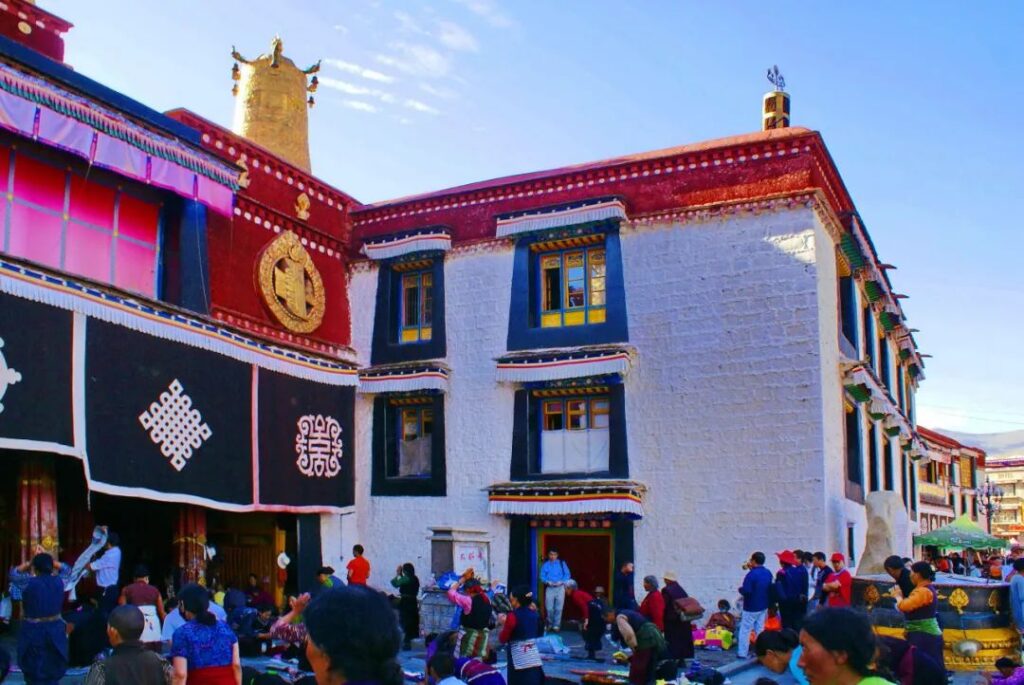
column 871, row 596
column 958, row 600
column 290, row 284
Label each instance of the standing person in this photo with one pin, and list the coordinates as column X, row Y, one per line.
column 839, row 586
column 149, row 601
column 756, row 590
column 592, row 609
column 624, row 594
column 791, row 590
column 921, row 610
column 838, row 649
column 204, row 651
column 821, row 577
column 42, row 640
column 130, row 661
column 474, row 624
column 553, row 575
column 358, row 567
column 653, row 605
column 326, row 579
column 678, row 632
column 898, row 571
column 108, row 569
column 408, row 586
column 353, row 638
column 521, row 629
column 1017, row 596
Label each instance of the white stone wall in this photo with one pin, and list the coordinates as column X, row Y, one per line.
column 734, row 403
column 724, row 404
column 478, row 419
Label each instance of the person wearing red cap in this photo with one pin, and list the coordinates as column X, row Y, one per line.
column 840, row 584
column 791, row 590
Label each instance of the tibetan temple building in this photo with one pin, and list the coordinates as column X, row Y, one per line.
column 663, row 357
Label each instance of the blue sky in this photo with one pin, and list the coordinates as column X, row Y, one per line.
column 920, row 105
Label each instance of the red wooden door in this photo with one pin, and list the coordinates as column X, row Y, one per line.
column 588, row 556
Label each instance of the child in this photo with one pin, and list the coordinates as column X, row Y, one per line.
column 1009, row 672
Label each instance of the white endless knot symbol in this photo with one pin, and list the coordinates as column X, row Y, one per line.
column 318, row 444
column 8, row 376
column 175, row 426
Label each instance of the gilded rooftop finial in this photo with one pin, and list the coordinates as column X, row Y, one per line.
column 775, row 105
column 272, row 104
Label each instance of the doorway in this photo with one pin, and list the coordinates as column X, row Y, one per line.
column 588, row 554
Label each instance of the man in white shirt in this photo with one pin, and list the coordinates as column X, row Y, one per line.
column 108, row 569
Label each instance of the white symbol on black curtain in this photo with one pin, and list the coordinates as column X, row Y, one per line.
column 175, row 426
column 318, row 444
column 8, row 376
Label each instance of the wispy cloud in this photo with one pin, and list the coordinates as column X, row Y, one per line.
column 356, row 89
column 489, row 12
column 455, row 37
column 438, row 91
column 417, row 59
column 407, row 24
column 359, row 105
column 420, row 106
column 368, row 74
column 341, row 28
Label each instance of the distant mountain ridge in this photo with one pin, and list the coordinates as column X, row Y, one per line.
column 1005, row 444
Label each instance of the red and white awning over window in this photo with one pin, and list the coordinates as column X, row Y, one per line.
column 405, row 378
column 559, row 365
column 397, row 245
column 560, row 217
column 567, row 498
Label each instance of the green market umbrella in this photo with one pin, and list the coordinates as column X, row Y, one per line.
column 963, row 532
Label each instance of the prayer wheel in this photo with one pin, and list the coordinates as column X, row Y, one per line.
column 974, row 615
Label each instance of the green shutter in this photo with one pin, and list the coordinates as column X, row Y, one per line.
column 848, row 244
column 873, row 290
column 860, row 393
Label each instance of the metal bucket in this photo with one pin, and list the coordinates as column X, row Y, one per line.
column 436, row 611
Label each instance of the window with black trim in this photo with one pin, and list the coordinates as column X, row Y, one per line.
column 408, row 323
column 854, row 452
column 408, row 445
column 567, row 289
column 569, row 431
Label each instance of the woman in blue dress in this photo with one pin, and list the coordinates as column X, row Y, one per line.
column 43, row 640
column 520, row 632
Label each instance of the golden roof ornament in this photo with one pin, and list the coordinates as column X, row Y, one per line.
column 775, row 105
column 271, row 105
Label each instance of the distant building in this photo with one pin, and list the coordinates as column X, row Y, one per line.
column 1008, row 473
column 948, row 480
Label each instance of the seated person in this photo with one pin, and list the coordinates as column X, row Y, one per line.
column 252, row 626
column 1009, row 673
column 722, row 618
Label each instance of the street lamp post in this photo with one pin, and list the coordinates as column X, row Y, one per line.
column 990, row 496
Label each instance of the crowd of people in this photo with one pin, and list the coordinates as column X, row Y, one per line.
column 797, row 619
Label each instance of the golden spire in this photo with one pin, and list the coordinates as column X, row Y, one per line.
column 271, row 104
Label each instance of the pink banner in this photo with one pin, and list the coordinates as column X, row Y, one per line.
column 65, row 132
column 217, row 197
column 121, row 157
column 16, row 113
column 172, row 177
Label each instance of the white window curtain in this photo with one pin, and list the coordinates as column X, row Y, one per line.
column 414, row 457
column 574, row 451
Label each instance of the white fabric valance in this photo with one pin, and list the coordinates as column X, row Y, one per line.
column 553, row 369
column 544, row 219
column 404, row 381
column 565, row 505
column 407, row 244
